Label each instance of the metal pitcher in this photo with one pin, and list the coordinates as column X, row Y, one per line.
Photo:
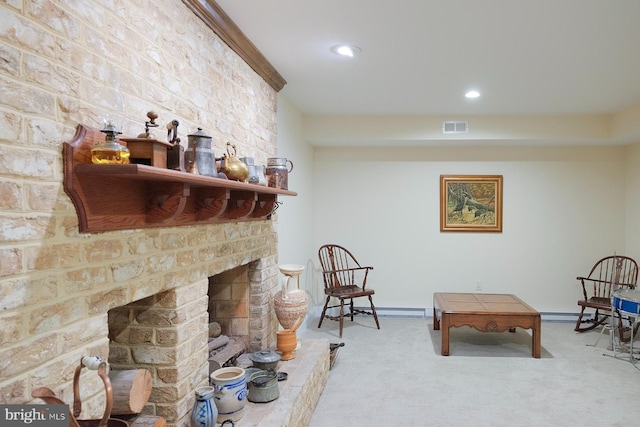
column 277, row 172
column 199, row 157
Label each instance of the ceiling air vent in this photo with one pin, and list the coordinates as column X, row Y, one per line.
column 455, row 127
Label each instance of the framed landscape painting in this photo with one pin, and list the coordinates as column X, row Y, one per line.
column 471, row 203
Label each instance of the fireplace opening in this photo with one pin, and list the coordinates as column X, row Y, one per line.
column 229, row 302
column 228, row 317
column 170, row 333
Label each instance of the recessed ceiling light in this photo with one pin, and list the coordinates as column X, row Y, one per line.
column 472, row 94
column 345, row 50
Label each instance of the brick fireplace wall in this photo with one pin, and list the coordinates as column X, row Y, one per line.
column 57, row 285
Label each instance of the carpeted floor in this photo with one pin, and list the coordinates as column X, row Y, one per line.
column 396, row 376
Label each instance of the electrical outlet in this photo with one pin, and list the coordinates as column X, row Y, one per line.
column 479, row 285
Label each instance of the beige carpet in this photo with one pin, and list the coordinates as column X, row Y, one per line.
column 396, row 377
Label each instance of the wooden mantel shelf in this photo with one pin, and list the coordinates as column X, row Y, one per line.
column 123, row 197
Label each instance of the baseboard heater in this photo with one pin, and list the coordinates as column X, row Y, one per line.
column 428, row 312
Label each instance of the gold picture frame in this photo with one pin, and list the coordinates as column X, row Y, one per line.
column 471, row 203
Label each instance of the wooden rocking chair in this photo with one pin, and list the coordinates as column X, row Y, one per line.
column 345, row 279
column 607, row 275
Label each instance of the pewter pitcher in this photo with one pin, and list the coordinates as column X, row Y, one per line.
column 199, row 157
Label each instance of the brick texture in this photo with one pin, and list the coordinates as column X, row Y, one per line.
column 57, row 285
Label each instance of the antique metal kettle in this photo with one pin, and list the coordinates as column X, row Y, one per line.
column 199, row 157
column 265, row 359
column 262, row 386
column 233, row 168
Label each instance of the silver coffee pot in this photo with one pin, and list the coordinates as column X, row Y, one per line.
column 198, row 156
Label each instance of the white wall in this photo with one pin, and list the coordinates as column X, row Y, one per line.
column 632, row 205
column 564, row 208
column 296, row 215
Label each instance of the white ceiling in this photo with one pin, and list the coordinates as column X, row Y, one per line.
column 419, row 57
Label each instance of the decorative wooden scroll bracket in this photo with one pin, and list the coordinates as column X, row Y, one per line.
column 122, row 197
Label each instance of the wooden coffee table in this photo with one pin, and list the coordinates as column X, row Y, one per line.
column 486, row 313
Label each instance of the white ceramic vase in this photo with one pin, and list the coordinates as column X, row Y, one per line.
column 290, row 305
column 204, row 412
column 230, row 393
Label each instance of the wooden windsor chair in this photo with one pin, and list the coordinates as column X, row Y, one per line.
column 345, row 279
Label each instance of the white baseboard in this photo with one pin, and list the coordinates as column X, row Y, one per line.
column 421, row 313
column 385, row 311
column 427, row 312
column 400, row 311
column 559, row 317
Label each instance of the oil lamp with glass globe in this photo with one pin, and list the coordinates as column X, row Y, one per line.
column 111, row 151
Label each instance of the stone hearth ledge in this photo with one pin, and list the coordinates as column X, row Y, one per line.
column 299, row 394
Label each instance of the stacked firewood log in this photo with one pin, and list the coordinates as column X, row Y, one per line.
column 131, row 391
column 223, row 350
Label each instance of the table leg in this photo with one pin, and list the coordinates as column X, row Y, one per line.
column 535, row 350
column 436, row 322
column 444, row 350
